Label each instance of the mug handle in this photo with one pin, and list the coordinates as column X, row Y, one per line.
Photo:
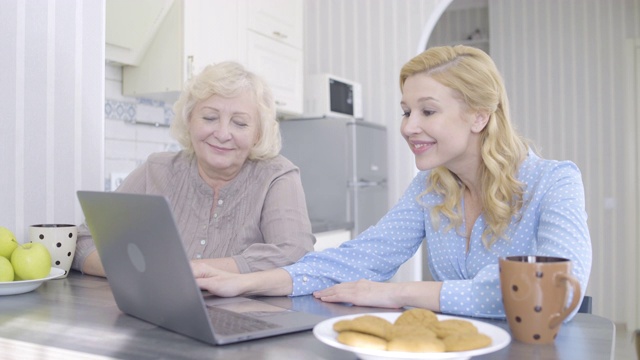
column 556, row 319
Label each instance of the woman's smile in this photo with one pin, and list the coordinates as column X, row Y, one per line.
column 420, row 147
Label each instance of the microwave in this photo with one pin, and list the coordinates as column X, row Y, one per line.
column 331, row 96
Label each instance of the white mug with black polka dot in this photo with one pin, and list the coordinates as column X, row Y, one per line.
column 60, row 240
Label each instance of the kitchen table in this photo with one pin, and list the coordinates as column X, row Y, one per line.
column 77, row 317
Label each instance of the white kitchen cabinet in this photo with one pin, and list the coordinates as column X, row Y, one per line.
column 130, row 28
column 280, row 20
column 281, row 66
column 264, row 35
column 274, row 33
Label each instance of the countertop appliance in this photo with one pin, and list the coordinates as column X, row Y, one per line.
column 329, row 95
column 343, row 166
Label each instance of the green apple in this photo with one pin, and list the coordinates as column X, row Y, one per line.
column 8, row 242
column 31, row 261
column 6, row 269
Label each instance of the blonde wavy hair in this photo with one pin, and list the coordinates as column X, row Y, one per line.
column 229, row 79
column 472, row 74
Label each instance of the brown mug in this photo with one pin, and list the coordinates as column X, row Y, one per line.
column 535, row 290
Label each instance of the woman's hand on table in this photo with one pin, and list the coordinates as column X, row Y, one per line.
column 363, row 293
column 274, row 282
column 215, row 281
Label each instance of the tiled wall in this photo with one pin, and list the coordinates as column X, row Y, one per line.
column 134, row 128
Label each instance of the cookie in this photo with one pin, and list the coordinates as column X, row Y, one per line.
column 416, row 316
column 465, row 342
column 365, row 341
column 450, row 327
column 366, row 324
column 398, row 331
column 416, row 344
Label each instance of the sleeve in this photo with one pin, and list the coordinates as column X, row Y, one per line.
column 561, row 231
column 376, row 254
column 284, row 224
column 133, row 183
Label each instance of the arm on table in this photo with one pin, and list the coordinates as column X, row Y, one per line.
column 275, row 282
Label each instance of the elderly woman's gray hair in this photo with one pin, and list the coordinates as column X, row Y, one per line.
column 229, row 79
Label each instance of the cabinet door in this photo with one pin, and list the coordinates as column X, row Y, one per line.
column 130, row 26
column 278, row 19
column 211, row 33
column 193, row 34
column 281, row 66
column 160, row 73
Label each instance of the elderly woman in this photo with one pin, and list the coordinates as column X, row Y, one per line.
column 239, row 205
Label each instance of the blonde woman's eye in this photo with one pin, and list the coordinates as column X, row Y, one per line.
column 406, row 113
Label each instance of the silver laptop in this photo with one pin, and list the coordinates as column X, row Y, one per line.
column 151, row 278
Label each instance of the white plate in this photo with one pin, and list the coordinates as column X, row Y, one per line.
column 325, row 333
column 24, row 286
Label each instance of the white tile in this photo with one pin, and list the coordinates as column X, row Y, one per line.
column 119, row 130
column 113, row 90
column 119, row 149
column 113, row 72
column 148, row 133
column 144, row 149
column 121, row 166
column 149, row 114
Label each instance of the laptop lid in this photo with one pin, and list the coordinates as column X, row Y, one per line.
column 150, row 275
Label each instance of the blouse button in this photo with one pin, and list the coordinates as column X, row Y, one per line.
column 202, row 242
column 199, row 256
column 305, row 279
column 215, row 215
column 220, row 202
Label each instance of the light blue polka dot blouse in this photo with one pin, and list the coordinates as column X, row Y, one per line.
column 553, row 223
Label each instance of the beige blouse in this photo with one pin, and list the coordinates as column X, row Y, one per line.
column 260, row 219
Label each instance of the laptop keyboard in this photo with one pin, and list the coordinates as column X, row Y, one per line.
column 227, row 322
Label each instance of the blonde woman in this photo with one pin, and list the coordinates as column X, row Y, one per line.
column 481, row 194
column 239, row 205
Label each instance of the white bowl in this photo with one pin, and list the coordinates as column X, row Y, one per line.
column 24, row 286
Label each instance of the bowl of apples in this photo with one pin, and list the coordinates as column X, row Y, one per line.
column 23, row 267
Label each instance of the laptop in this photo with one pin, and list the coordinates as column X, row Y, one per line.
column 151, row 279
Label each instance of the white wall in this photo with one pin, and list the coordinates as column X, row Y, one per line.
column 51, row 101
column 564, row 66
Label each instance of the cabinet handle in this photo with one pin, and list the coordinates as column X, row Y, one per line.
column 189, row 67
column 281, row 103
column 280, row 35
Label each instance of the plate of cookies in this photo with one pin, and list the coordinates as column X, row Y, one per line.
column 412, row 334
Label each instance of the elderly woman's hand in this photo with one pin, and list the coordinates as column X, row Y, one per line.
column 274, row 282
column 215, row 281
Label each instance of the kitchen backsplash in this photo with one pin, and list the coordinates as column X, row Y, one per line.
column 134, row 128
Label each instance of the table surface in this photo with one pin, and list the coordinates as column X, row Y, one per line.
column 77, row 317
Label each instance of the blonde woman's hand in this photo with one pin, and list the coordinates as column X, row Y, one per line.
column 362, row 293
